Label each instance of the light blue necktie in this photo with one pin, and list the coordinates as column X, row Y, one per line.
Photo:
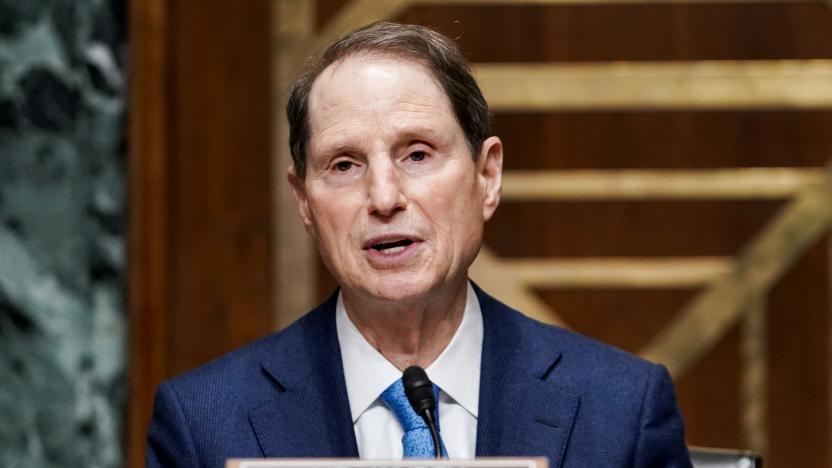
column 416, row 441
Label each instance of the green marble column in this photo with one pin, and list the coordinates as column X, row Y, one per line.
column 62, row 233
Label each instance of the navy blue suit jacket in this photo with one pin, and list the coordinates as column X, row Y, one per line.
column 543, row 391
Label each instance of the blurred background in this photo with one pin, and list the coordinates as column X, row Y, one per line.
column 666, row 191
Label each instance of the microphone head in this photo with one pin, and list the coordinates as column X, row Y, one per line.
column 419, row 389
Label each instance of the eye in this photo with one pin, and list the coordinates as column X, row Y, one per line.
column 344, row 166
column 418, row 156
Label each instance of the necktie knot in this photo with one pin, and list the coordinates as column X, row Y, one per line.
column 396, row 399
column 416, row 440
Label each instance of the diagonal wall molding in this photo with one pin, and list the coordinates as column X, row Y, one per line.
column 712, row 312
column 500, row 280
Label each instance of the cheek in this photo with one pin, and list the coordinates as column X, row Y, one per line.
column 455, row 210
column 333, row 221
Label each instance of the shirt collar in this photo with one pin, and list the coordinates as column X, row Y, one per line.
column 456, row 371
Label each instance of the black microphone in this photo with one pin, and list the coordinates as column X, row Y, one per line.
column 419, row 391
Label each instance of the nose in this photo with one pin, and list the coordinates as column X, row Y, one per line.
column 384, row 195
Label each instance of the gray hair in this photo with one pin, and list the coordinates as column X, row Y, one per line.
column 438, row 53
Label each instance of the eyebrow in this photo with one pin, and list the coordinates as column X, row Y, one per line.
column 329, row 151
column 404, row 135
column 422, row 133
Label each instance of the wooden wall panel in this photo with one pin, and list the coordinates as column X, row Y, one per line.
column 609, row 315
column 220, row 170
column 200, row 189
column 799, row 353
column 680, row 139
column 638, row 228
column 709, row 394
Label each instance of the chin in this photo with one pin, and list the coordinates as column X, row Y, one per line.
column 399, row 289
column 399, row 294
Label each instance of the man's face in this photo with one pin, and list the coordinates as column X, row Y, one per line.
column 392, row 196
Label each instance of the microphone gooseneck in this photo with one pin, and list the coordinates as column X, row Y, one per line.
column 419, row 391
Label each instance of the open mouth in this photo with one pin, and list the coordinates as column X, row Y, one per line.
column 392, row 247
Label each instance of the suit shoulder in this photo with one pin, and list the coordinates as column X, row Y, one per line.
column 588, row 351
column 596, row 370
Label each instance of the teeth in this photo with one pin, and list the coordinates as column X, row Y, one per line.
column 392, row 247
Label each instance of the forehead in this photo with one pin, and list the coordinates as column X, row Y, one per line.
column 390, row 89
column 376, row 74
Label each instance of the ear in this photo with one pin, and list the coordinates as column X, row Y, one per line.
column 299, row 191
column 490, row 173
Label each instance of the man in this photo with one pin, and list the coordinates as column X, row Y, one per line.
column 395, row 174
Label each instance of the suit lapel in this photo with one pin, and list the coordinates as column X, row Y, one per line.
column 309, row 415
column 522, row 409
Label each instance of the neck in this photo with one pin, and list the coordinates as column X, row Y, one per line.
column 409, row 333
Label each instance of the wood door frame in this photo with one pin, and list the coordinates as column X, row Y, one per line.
column 149, row 142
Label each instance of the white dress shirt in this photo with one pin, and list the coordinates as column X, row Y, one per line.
column 456, row 371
